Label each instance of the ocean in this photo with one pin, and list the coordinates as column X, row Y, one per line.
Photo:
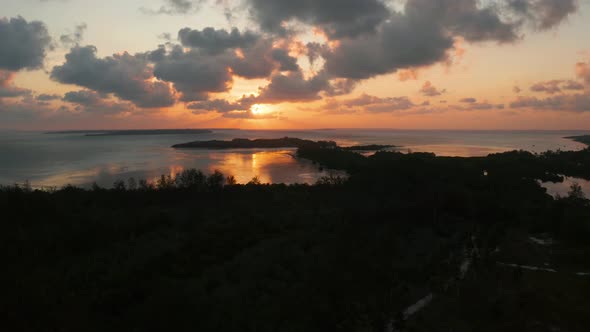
column 55, row 160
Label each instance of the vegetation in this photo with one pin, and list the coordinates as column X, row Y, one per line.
column 201, row 253
column 582, row 139
column 372, row 147
column 241, row 143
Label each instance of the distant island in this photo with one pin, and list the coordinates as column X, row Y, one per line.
column 372, row 147
column 285, row 142
column 582, row 139
column 139, row 132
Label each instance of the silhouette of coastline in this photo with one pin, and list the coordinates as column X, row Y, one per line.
column 582, row 139
column 139, row 132
column 285, row 142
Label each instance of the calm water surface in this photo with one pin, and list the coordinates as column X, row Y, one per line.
column 59, row 159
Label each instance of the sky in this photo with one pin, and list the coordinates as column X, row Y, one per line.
column 284, row 64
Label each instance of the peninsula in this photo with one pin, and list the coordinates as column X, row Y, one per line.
column 143, row 132
column 276, row 143
column 582, row 139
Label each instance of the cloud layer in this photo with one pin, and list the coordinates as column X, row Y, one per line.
column 23, row 45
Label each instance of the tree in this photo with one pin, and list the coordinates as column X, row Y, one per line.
column 191, row 179
column 132, row 184
column 165, row 182
column 255, row 181
column 576, row 192
column 231, row 181
column 215, row 181
column 119, row 185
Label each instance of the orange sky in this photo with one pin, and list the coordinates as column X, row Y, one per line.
column 477, row 84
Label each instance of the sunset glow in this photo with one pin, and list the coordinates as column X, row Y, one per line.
column 165, row 63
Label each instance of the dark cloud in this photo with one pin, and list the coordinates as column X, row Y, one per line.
column 193, row 74
column 550, row 87
column 217, row 41
column 430, row 90
column 368, row 104
column 338, row 18
column 583, row 71
column 573, row 85
column 23, row 44
column 380, row 105
column 471, row 19
column 314, row 51
column 74, row 38
column 293, row 87
column 424, row 33
column 91, row 101
column 7, row 87
column 222, row 105
column 485, row 106
column 468, row 100
column 22, row 112
column 126, row 76
column 572, row 103
column 197, row 72
column 47, row 97
column 240, row 109
column 544, row 14
column 285, row 61
column 262, row 60
column 516, row 89
column 556, row 86
column 175, row 7
column 402, row 42
column 83, row 97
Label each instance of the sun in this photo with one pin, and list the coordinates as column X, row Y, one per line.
column 258, row 109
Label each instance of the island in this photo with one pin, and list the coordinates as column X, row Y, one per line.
column 132, row 132
column 371, row 147
column 275, row 143
column 581, row 139
column 242, row 143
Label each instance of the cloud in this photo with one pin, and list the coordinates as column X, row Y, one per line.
column 194, row 74
column 368, row 104
column 556, row 86
column 485, row 106
column 516, row 89
column 430, row 90
column 261, row 60
column 293, row 87
column 573, row 85
column 209, row 68
column 175, row 7
column 48, row 97
column 126, row 76
column 91, row 101
column 468, row 100
column 583, row 71
column 338, row 18
column 572, row 103
column 286, row 62
column 74, row 38
column 544, row 14
column 550, row 87
column 7, row 87
column 23, row 44
column 241, row 109
column 424, row 33
column 217, row 41
column 221, row 105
